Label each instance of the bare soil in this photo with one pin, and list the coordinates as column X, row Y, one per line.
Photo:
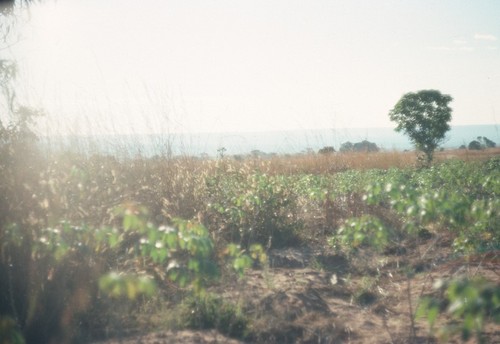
column 311, row 295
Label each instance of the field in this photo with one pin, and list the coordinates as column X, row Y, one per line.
column 319, row 248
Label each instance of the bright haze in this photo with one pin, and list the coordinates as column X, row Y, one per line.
column 121, row 66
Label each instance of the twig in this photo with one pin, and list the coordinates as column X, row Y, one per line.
column 386, row 327
column 412, row 320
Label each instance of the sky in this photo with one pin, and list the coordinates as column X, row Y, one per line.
column 122, row 66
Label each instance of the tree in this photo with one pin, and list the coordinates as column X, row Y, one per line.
column 424, row 117
column 481, row 142
column 327, row 150
column 486, row 142
column 365, row 146
column 475, row 145
column 346, row 147
column 17, row 138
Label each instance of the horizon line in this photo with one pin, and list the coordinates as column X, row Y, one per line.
column 232, row 132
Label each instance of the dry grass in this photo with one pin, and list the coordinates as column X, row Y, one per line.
column 467, row 155
column 338, row 162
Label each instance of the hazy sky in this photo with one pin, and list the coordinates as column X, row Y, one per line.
column 202, row 65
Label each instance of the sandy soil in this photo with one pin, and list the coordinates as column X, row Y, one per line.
column 307, row 296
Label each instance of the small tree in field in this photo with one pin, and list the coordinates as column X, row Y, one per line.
column 424, row 117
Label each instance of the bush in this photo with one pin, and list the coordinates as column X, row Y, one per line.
column 346, row 147
column 471, row 302
column 51, row 277
column 57, row 283
column 212, row 312
column 486, row 142
column 463, row 198
column 365, row 146
column 327, row 150
column 366, row 230
column 481, row 142
column 475, row 145
column 252, row 208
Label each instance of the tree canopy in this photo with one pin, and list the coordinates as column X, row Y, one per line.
column 424, row 117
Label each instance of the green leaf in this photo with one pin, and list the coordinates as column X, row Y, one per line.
column 194, row 265
column 432, row 315
column 128, row 222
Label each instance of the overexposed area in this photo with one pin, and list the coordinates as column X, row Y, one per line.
column 129, row 67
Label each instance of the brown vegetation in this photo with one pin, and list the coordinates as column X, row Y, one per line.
column 338, row 162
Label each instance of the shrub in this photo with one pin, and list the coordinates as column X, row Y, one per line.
column 365, row 146
column 252, row 208
column 462, row 198
column 346, row 147
column 213, row 312
column 471, row 302
column 327, row 150
column 362, row 231
column 475, row 145
column 486, row 142
column 54, row 279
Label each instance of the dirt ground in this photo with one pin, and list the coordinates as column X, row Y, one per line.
column 309, row 296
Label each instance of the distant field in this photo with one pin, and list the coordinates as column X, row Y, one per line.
column 317, row 163
column 289, row 142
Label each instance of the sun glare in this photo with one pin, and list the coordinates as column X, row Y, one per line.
column 125, row 65
column 49, row 27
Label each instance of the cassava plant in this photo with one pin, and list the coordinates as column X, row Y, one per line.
column 472, row 303
column 73, row 270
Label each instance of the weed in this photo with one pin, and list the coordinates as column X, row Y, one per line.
column 212, row 312
column 365, row 230
column 473, row 302
column 364, row 294
column 253, row 208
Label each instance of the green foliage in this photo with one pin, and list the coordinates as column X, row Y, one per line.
column 241, row 261
column 472, row 302
column 186, row 249
column 424, row 117
column 462, row 198
column 212, row 312
column 364, row 230
column 335, row 186
column 253, row 208
column 130, row 285
column 80, row 263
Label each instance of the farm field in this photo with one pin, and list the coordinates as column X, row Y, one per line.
column 249, row 172
column 318, row 248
